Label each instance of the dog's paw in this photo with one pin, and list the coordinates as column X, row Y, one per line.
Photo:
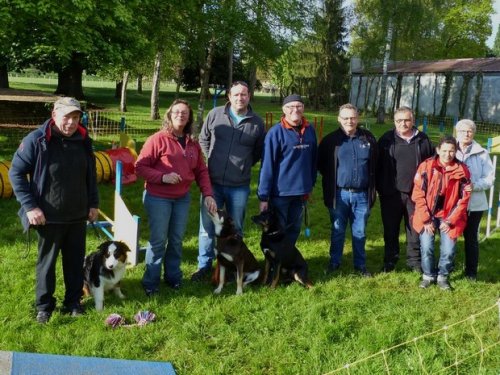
column 217, row 290
column 239, row 292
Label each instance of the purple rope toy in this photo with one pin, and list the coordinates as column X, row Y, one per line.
column 141, row 318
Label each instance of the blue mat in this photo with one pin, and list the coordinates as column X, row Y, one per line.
column 46, row 364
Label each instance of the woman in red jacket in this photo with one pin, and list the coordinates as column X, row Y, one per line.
column 169, row 162
column 441, row 195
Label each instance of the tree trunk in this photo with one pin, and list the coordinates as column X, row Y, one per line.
column 118, row 89
column 155, row 89
column 69, row 80
column 383, row 84
column 252, row 79
column 123, row 100
column 139, row 84
column 205, row 76
column 4, row 75
column 230, row 66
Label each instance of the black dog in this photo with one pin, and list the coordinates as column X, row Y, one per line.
column 282, row 257
column 232, row 253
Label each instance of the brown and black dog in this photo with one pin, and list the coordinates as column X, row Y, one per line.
column 282, row 256
column 232, row 253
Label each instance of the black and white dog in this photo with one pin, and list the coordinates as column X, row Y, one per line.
column 232, row 254
column 283, row 259
column 103, row 271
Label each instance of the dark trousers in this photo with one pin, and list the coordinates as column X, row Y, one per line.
column 471, row 242
column 70, row 240
column 395, row 208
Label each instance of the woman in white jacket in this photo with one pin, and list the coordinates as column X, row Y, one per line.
column 482, row 173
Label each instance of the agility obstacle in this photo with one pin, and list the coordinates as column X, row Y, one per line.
column 16, row 363
column 125, row 226
column 493, row 147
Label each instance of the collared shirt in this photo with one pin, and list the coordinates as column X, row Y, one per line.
column 353, row 163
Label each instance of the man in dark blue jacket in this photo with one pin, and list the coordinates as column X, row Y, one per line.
column 288, row 168
column 401, row 150
column 53, row 176
column 347, row 160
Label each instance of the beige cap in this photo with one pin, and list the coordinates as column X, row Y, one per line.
column 67, row 105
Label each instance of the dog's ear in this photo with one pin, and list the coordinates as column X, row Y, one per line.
column 102, row 248
column 124, row 246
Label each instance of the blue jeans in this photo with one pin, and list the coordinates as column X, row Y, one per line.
column 235, row 199
column 289, row 211
column 446, row 253
column 353, row 208
column 167, row 224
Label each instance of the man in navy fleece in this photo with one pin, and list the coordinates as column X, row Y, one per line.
column 288, row 170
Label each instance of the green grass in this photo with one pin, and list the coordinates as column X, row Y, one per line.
column 289, row 330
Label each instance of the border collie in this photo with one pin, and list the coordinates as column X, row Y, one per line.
column 103, row 271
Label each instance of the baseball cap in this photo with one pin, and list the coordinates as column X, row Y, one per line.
column 67, row 105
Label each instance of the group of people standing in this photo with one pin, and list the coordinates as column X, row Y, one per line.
column 53, row 177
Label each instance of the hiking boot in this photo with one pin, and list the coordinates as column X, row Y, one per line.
column 43, row 317
column 201, row 273
column 444, row 284
column 151, row 292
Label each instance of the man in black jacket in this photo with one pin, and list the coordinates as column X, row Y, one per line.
column 400, row 151
column 53, row 176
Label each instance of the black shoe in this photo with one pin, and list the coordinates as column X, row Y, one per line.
column 471, row 278
column 74, row 311
column 201, row 273
column 151, row 292
column 444, row 284
column 425, row 283
column 176, row 285
column 388, row 267
column 332, row 268
column 43, row 317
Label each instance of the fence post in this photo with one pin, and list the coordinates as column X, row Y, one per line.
column 122, row 124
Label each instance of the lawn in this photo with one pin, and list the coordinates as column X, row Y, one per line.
column 290, row 330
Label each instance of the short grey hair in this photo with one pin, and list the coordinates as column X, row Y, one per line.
column 404, row 109
column 466, row 123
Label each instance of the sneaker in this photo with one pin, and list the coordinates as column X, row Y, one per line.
column 175, row 285
column 201, row 273
column 444, row 284
column 363, row 272
column 43, row 317
column 425, row 283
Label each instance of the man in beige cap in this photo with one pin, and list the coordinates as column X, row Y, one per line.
column 53, row 177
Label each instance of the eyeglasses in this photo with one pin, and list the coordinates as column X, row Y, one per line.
column 465, row 131
column 177, row 113
column 348, row 118
column 296, row 107
column 402, row 120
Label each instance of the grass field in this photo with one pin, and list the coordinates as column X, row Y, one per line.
column 290, row 330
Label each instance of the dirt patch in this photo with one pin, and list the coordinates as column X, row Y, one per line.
column 19, row 95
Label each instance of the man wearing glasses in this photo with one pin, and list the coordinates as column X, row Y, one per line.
column 232, row 137
column 288, row 171
column 401, row 150
column 347, row 161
